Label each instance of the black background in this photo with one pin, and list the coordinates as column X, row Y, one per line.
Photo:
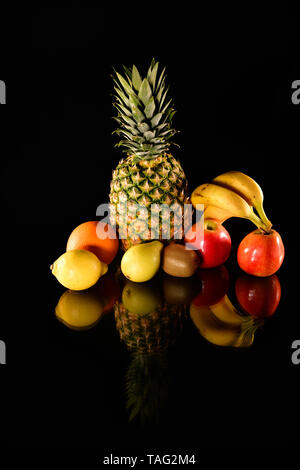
column 230, row 73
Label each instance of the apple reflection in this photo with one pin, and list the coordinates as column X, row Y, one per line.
column 213, row 285
column 219, row 321
column 259, row 297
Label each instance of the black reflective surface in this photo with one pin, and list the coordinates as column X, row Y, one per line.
column 230, row 74
column 160, row 364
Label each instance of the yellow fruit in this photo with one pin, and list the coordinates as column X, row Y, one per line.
column 78, row 269
column 210, row 194
column 140, row 298
column 225, row 311
column 215, row 213
column 247, row 188
column 212, row 329
column 141, row 262
column 79, row 310
column 248, row 330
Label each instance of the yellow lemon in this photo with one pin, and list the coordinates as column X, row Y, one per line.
column 79, row 310
column 78, row 269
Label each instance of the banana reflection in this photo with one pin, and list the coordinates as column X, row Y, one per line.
column 82, row 310
column 222, row 326
column 148, row 325
column 219, row 322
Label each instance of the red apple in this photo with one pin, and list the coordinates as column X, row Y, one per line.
column 261, row 254
column 214, row 285
column 258, row 296
column 215, row 245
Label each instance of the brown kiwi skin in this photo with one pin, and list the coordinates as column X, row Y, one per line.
column 178, row 261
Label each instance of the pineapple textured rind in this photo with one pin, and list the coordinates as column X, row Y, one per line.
column 150, row 177
column 147, row 185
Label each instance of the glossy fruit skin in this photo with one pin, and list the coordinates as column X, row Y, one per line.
column 213, row 285
column 214, row 247
column 78, row 269
column 259, row 297
column 178, row 261
column 141, row 262
column 86, row 237
column 79, row 310
column 261, row 254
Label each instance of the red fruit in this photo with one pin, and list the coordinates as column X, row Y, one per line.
column 258, row 296
column 108, row 289
column 214, row 285
column 261, row 254
column 215, row 245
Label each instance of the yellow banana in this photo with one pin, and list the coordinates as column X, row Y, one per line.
column 212, row 329
column 211, row 194
column 247, row 188
column 226, row 312
column 248, row 330
column 215, row 213
column 245, row 340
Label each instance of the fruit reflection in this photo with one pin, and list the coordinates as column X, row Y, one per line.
column 223, row 325
column 212, row 328
column 109, row 290
column 79, row 310
column 259, row 297
column 141, row 299
column 148, row 325
column 181, row 290
column 82, row 310
column 214, row 315
column 214, row 284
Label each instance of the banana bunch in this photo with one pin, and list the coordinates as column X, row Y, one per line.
column 223, row 325
column 232, row 194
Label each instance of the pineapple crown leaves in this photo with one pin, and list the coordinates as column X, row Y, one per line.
column 144, row 112
column 147, row 387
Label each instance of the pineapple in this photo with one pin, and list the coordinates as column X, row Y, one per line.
column 148, row 188
column 148, row 337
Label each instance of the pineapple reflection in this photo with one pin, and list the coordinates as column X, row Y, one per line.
column 148, row 325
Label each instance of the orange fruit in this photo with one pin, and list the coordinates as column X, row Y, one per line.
column 87, row 237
